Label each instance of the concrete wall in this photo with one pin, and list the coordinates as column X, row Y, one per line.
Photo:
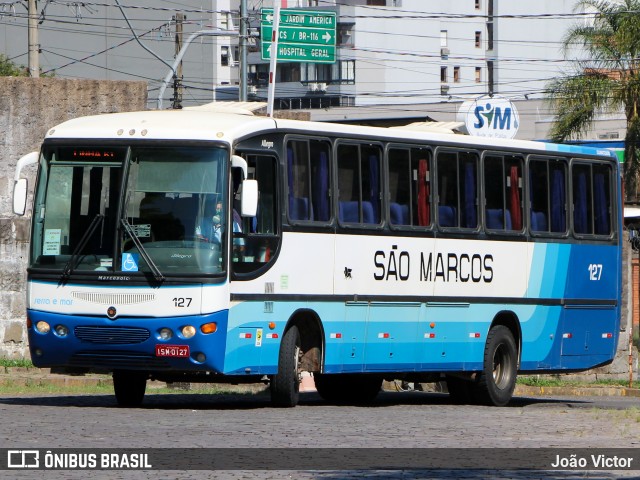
column 28, row 108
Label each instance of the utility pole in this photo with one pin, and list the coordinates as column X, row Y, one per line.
column 177, row 80
column 244, row 34
column 34, row 47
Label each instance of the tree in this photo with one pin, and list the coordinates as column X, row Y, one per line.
column 10, row 69
column 607, row 81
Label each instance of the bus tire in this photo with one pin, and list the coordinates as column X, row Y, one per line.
column 129, row 387
column 495, row 384
column 347, row 388
column 459, row 390
column 285, row 386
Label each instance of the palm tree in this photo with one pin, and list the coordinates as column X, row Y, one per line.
column 608, row 81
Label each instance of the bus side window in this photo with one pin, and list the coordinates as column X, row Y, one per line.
column 548, row 195
column 257, row 236
column 457, row 189
column 591, row 199
column 409, row 186
column 308, row 180
column 503, row 192
column 359, row 193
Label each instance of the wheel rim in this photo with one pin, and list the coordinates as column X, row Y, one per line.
column 296, row 361
column 501, row 363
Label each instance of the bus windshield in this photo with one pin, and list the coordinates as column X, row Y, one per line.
column 165, row 217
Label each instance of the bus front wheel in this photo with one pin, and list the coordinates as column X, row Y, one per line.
column 496, row 382
column 129, row 387
column 285, row 386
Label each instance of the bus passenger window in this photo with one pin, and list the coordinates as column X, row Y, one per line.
column 457, row 189
column 591, row 199
column 359, row 192
column 308, row 180
column 409, row 186
column 582, row 199
column 548, row 195
column 503, row 192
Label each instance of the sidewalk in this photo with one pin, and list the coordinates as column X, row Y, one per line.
column 22, row 376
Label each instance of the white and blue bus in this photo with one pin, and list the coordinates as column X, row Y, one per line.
column 201, row 246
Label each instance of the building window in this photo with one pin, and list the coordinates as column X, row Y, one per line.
column 443, row 74
column 345, row 35
column 224, row 56
column 443, row 38
column 478, row 4
column 478, row 74
column 377, row 3
column 456, row 74
column 478, row 39
column 289, row 72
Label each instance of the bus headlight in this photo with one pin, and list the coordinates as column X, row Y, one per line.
column 188, row 331
column 166, row 334
column 43, row 327
column 61, row 330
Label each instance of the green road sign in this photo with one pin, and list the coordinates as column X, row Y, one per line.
column 304, row 35
column 288, row 52
column 313, row 36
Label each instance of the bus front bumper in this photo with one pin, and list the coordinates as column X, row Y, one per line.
column 132, row 343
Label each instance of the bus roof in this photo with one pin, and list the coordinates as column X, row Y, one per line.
column 229, row 125
column 163, row 125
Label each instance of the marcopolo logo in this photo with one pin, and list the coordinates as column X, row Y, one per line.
column 487, row 116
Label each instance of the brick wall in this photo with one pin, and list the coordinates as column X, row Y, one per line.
column 28, row 108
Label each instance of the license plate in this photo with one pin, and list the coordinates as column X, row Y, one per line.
column 172, row 350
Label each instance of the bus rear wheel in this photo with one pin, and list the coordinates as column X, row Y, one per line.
column 285, row 386
column 496, row 382
column 129, row 387
column 347, row 388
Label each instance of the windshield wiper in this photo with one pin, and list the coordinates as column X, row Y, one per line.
column 143, row 251
column 70, row 266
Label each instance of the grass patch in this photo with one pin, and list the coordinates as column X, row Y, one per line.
column 11, row 387
column 35, row 387
column 538, row 381
column 20, row 362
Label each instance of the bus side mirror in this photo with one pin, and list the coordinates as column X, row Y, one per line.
column 249, row 198
column 20, row 186
column 20, row 196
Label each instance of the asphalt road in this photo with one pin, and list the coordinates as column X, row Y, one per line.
column 406, row 420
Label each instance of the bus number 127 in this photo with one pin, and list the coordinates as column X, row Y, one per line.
column 595, row 271
column 182, row 302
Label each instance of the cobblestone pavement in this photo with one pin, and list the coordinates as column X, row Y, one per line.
column 396, row 420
